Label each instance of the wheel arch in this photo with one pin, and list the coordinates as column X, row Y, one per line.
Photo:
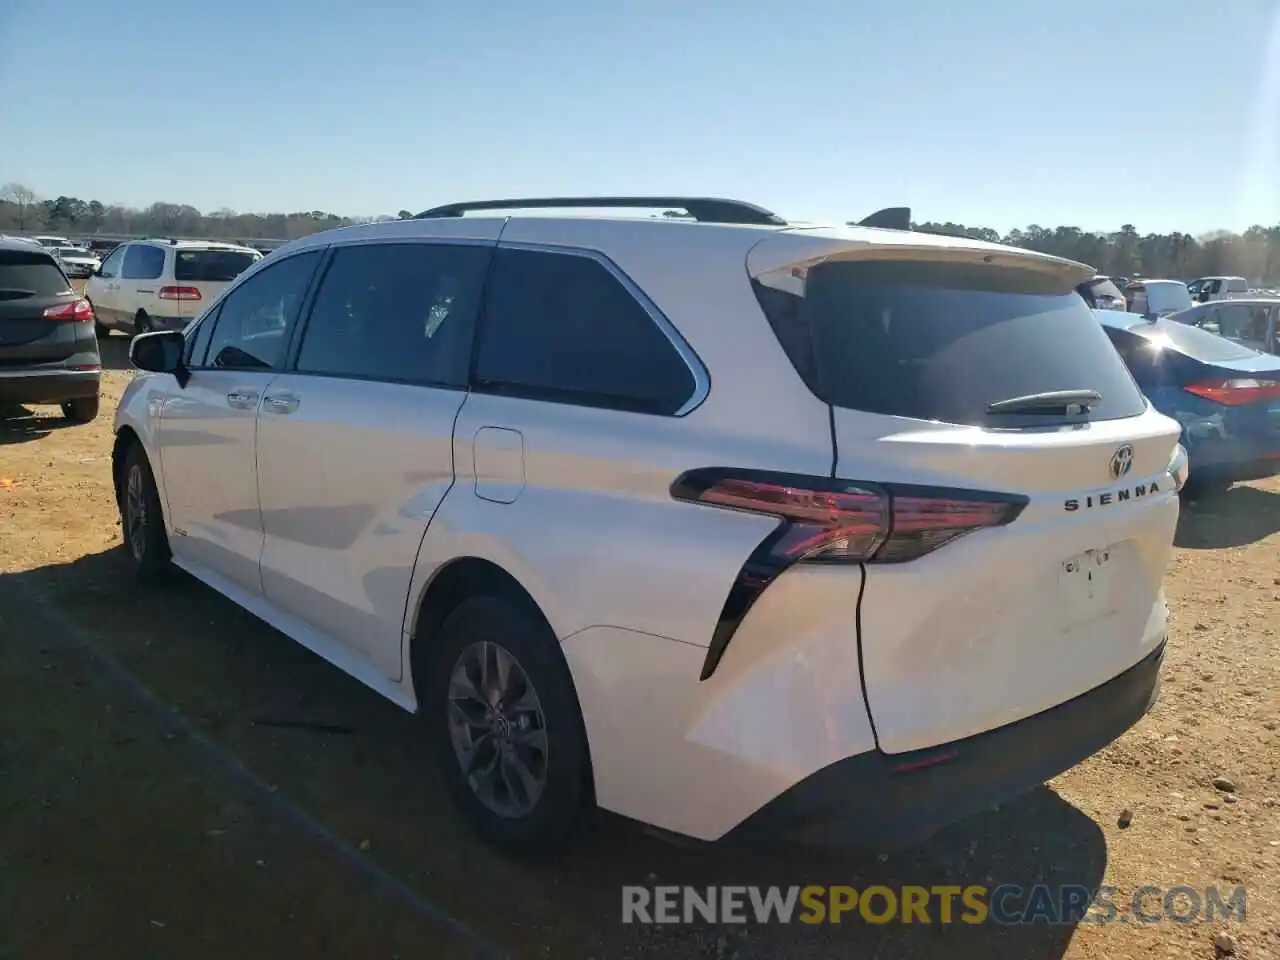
column 126, row 437
column 459, row 580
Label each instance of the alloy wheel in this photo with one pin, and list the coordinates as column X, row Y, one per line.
column 498, row 729
column 135, row 512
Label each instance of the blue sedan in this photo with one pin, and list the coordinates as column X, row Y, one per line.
column 1225, row 395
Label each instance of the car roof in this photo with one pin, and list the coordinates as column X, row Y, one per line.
column 193, row 244
column 600, row 231
column 21, row 244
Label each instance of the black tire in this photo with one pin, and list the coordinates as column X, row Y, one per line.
column 1206, row 487
column 81, row 410
column 146, row 543
column 141, row 323
column 566, row 798
column 100, row 328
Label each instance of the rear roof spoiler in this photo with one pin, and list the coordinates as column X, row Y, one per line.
column 890, row 218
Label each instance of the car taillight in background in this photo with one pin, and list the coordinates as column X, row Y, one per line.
column 823, row 520
column 77, row 311
column 178, row 293
column 1236, row 392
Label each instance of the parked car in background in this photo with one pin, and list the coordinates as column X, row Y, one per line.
column 162, row 284
column 1225, row 395
column 340, row 446
column 1251, row 322
column 48, row 351
column 48, row 240
column 1206, row 289
column 76, row 261
column 1101, row 293
column 102, row 247
column 1157, row 298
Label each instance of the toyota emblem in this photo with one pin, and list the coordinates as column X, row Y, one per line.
column 1121, row 461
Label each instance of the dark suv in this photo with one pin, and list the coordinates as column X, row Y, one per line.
column 48, row 349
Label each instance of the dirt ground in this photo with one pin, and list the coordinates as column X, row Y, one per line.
column 178, row 780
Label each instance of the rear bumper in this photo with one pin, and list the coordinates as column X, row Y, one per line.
column 890, row 800
column 1233, row 458
column 48, row 385
column 169, row 323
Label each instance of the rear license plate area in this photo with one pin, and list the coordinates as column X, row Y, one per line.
column 1087, row 582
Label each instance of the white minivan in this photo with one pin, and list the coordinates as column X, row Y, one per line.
column 725, row 525
column 148, row 285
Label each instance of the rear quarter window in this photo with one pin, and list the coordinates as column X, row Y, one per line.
column 941, row 341
column 30, row 274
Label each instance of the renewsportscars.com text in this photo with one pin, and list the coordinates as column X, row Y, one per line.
column 938, row 904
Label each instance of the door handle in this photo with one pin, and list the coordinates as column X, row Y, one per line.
column 280, row 402
column 242, row 399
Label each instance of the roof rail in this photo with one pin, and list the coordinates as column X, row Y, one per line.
column 702, row 209
column 890, row 218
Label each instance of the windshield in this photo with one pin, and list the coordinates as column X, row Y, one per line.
column 194, row 266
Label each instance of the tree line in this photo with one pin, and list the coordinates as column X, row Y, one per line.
column 1254, row 254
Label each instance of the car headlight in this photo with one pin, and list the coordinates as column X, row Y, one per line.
column 1179, row 466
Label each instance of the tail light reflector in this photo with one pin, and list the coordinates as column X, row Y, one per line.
column 825, row 520
column 178, row 293
column 1236, row 392
column 76, row 311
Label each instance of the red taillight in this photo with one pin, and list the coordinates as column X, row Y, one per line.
column 833, row 520
column 1236, row 392
column 77, row 311
column 178, row 293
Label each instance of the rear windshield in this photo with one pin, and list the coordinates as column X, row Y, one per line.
column 1102, row 287
column 941, row 342
column 193, row 266
column 33, row 274
column 1168, row 297
column 1192, row 341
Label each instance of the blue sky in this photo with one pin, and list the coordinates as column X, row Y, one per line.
column 1161, row 113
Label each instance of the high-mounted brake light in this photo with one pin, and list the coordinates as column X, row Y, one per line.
column 76, row 311
column 178, row 293
column 1236, row 392
column 825, row 520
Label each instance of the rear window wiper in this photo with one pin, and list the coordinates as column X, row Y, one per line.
column 1068, row 401
column 15, row 293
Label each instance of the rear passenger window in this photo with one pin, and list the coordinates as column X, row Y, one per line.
column 562, row 327
column 403, row 312
column 142, row 262
column 942, row 342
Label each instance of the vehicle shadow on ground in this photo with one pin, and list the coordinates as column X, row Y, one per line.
column 358, row 765
column 1236, row 518
column 21, row 425
column 114, row 349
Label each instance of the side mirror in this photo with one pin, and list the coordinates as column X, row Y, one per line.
column 159, row 352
